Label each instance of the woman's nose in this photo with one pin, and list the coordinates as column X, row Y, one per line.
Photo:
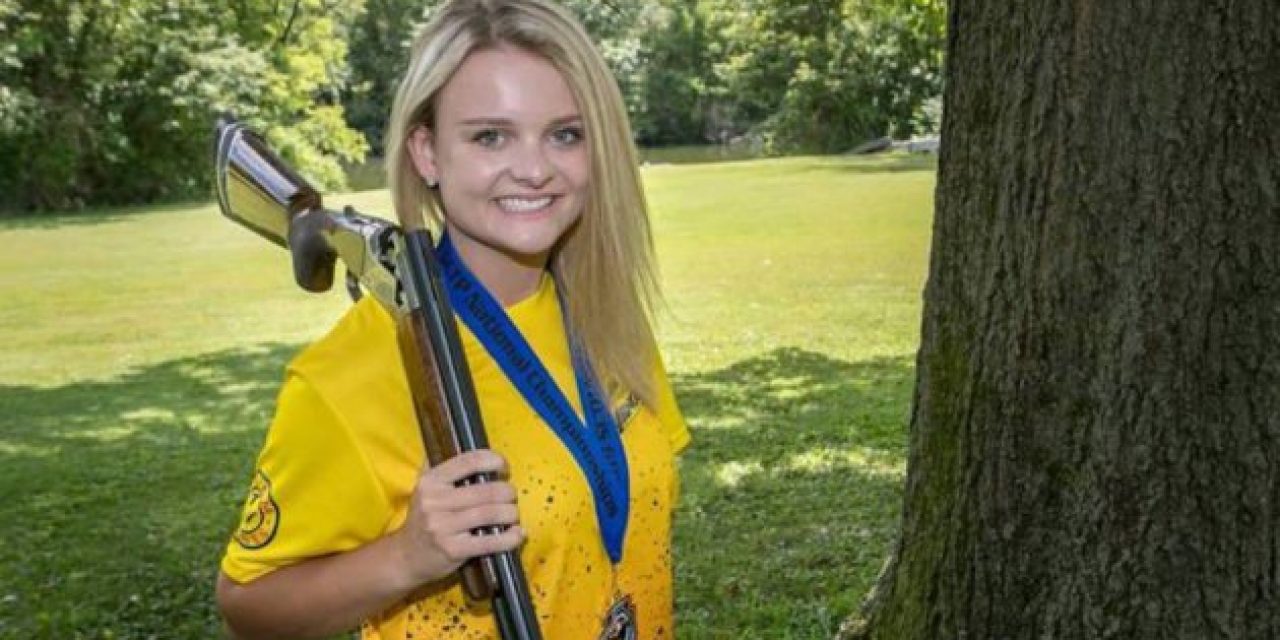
column 531, row 166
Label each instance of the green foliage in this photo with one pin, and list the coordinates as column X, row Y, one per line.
column 824, row 76
column 114, row 102
column 380, row 39
column 797, row 75
column 665, row 73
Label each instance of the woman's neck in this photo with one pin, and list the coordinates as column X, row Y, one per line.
column 508, row 278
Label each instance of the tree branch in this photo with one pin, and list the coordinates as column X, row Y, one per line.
column 284, row 35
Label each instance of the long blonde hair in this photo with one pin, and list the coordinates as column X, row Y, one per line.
column 605, row 263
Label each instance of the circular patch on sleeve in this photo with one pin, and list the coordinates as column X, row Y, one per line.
column 261, row 516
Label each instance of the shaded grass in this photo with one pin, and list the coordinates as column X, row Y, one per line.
column 790, row 496
column 116, row 497
column 143, row 351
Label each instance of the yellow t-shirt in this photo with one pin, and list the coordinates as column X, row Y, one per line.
column 343, row 453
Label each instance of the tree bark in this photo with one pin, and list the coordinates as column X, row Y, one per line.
column 1095, row 436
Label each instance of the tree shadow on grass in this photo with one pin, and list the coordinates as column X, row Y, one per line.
column 791, row 492
column 116, row 497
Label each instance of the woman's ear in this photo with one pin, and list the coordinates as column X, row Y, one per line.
column 422, row 151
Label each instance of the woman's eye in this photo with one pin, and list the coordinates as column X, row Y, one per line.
column 567, row 136
column 487, row 137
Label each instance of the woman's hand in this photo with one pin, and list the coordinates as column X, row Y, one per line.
column 437, row 534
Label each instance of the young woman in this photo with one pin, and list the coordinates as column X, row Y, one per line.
column 509, row 134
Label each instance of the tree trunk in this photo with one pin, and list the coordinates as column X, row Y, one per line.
column 1095, row 439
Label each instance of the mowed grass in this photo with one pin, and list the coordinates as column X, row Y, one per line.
column 142, row 350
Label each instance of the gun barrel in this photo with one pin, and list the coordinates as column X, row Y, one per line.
column 255, row 187
column 449, row 398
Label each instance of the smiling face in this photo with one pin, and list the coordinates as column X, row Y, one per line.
column 508, row 151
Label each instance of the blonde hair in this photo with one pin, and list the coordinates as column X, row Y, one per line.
column 605, row 262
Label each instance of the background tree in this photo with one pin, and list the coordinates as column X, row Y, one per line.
column 663, row 66
column 113, row 102
column 380, row 39
column 825, row 76
column 1095, row 441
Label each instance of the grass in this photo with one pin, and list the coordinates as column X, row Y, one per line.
column 143, row 348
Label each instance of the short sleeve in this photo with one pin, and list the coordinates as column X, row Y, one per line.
column 313, row 492
column 668, row 411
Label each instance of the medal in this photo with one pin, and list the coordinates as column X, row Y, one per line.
column 620, row 621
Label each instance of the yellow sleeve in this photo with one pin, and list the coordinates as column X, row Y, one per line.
column 313, row 492
column 673, row 422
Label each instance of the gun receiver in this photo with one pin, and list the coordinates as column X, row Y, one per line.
column 259, row 191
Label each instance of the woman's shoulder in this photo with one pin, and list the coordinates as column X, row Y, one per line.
column 356, row 357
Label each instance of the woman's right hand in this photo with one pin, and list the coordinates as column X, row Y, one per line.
column 437, row 534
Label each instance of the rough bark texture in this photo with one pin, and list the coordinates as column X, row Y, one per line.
column 1095, row 440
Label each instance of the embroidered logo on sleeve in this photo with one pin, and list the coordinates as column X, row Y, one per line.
column 261, row 515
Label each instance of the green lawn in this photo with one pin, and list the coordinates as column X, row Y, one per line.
column 143, row 348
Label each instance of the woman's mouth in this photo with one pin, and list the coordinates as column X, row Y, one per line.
column 524, row 205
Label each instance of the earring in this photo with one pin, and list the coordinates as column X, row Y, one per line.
column 432, row 183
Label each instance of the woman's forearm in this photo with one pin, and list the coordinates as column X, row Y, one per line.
column 318, row 597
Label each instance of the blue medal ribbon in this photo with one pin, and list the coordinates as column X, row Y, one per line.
column 596, row 445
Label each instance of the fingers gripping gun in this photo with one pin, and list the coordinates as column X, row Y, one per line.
column 257, row 190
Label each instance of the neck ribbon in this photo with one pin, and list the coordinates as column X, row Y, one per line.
column 596, row 445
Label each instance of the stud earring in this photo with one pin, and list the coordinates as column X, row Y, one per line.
column 432, row 183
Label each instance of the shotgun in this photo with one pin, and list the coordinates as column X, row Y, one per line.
column 259, row 191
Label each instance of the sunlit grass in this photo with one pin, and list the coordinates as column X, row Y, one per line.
column 143, row 349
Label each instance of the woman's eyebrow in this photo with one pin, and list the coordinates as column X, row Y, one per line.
column 507, row 122
column 492, row 122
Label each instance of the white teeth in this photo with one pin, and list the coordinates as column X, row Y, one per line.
column 521, row 205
